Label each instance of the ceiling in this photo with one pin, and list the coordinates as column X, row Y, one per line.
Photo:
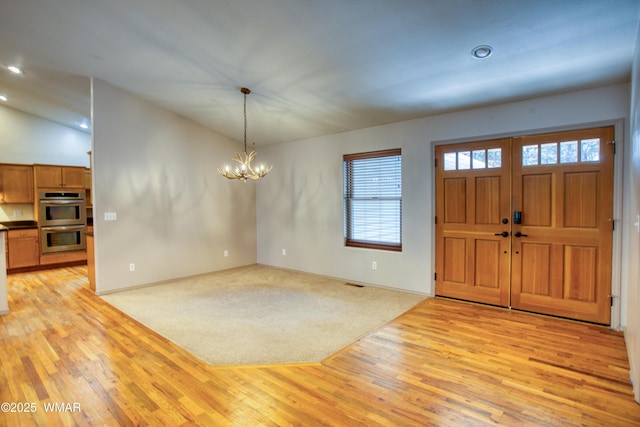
column 314, row 67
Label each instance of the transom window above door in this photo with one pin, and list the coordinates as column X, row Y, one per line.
column 565, row 152
column 473, row 159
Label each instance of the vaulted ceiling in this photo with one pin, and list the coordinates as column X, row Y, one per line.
column 314, row 67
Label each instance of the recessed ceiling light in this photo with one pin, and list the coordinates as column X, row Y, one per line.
column 14, row 69
column 482, row 51
column 3, row 98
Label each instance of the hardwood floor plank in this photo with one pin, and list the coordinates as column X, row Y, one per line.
column 444, row 363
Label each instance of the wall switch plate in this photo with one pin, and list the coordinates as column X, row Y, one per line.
column 374, row 265
column 17, row 212
column 110, row 216
column 284, row 251
column 132, row 267
column 226, row 252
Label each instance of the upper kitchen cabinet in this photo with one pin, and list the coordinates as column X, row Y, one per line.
column 16, row 183
column 61, row 177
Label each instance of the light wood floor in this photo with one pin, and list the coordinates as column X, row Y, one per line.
column 442, row 363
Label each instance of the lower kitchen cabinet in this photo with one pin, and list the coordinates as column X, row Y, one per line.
column 63, row 257
column 23, row 248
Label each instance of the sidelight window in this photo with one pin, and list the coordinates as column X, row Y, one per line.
column 373, row 199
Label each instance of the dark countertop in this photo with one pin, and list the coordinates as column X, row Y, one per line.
column 15, row 225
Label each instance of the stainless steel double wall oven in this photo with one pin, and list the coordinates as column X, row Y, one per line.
column 62, row 221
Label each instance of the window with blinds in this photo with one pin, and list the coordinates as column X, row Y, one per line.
column 373, row 199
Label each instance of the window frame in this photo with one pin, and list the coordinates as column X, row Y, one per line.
column 349, row 241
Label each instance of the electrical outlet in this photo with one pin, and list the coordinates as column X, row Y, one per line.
column 226, row 252
column 374, row 265
column 132, row 267
column 284, row 251
column 17, row 212
column 110, row 216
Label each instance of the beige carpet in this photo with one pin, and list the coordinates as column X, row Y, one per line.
column 258, row 315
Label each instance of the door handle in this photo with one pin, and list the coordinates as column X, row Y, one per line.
column 503, row 234
column 519, row 234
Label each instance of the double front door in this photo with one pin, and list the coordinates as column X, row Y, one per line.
column 527, row 223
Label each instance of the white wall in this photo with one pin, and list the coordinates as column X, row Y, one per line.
column 29, row 139
column 175, row 214
column 299, row 204
column 631, row 248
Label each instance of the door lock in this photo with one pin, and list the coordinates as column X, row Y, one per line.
column 503, row 234
column 517, row 217
column 519, row 234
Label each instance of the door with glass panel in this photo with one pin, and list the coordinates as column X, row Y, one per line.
column 473, row 204
column 532, row 231
column 563, row 185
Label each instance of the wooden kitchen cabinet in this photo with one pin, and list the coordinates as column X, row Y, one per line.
column 64, row 257
column 16, row 183
column 61, row 177
column 87, row 188
column 23, row 248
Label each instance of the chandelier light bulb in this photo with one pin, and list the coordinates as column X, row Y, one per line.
column 14, row 69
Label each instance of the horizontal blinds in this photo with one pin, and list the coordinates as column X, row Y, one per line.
column 373, row 199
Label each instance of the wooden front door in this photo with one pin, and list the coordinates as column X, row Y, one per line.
column 556, row 257
column 473, row 196
column 563, row 185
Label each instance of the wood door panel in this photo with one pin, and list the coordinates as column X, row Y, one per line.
column 536, row 197
column 580, row 203
column 580, row 273
column 487, row 200
column 455, row 199
column 536, row 270
column 487, row 263
column 455, row 254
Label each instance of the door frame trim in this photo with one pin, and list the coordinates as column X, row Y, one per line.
column 616, row 256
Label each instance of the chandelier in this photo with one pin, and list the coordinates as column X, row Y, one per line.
column 244, row 171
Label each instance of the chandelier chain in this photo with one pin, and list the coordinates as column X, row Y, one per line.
column 245, row 121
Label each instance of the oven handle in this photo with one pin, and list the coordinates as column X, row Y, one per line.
column 60, row 202
column 64, row 228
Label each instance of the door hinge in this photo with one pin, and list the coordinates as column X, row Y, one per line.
column 436, row 162
column 611, row 300
column 614, row 145
column 436, row 219
column 435, row 276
